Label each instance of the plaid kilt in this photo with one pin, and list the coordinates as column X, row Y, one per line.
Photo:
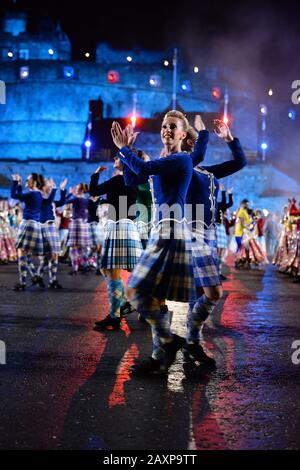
column 122, row 247
column 51, row 240
column 143, row 229
column 29, row 237
column 222, row 241
column 96, row 234
column 172, row 265
column 79, row 234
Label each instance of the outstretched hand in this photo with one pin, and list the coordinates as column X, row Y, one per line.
column 16, row 178
column 120, row 137
column 63, row 184
column 52, row 183
column 100, row 169
column 222, row 130
column 198, row 123
column 131, row 135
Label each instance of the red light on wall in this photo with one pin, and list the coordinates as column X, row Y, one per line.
column 216, row 92
column 226, row 119
column 113, row 76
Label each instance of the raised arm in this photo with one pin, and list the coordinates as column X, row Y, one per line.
column 232, row 166
column 131, row 179
column 62, row 200
column 197, row 155
column 98, row 189
column 16, row 189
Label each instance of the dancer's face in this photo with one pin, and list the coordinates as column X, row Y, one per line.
column 172, row 132
column 30, row 182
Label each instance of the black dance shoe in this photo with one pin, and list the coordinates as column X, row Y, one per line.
column 38, row 281
column 54, row 285
column 146, row 367
column 195, row 352
column 126, row 309
column 171, row 350
column 19, row 287
column 108, row 321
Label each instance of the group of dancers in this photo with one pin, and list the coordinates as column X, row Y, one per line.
column 287, row 256
column 163, row 224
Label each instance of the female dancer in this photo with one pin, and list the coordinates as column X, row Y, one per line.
column 50, row 234
column 202, row 194
column 168, row 266
column 96, row 234
column 122, row 247
column 79, row 236
column 29, row 238
column 221, row 235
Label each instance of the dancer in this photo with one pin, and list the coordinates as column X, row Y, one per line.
column 203, row 193
column 96, row 234
column 79, row 236
column 29, row 238
column 243, row 220
column 122, row 247
column 221, row 235
column 250, row 251
column 168, row 266
column 50, row 234
column 8, row 252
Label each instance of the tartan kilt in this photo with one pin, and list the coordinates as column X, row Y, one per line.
column 221, row 236
column 96, row 234
column 29, row 237
column 205, row 253
column 51, row 240
column 122, row 247
column 79, row 234
column 171, row 266
column 143, row 229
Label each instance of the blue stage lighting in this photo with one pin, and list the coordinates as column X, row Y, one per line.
column 68, row 72
column 264, row 146
column 292, row 114
column 186, row 86
column 88, row 144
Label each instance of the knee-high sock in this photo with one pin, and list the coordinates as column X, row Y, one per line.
column 220, row 262
column 22, row 265
column 114, row 288
column 74, row 257
column 197, row 316
column 124, row 299
column 98, row 260
column 31, row 267
column 157, row 352
column 53, row 267
column 159, row 320
column 83, row 257
column 43, row 261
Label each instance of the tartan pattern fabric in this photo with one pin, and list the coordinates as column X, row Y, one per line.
column 51, row 240
column 221, row 236
column 29, row 237
column 171, row 267
column 79, row 235
column 205, row 255
column 122, row 247
column 96, row 234
column 143, row 229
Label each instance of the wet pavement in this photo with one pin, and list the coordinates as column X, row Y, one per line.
column 65, row 386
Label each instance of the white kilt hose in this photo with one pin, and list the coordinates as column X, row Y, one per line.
column 222, row 241
column 172, row 265
column 29, row 237
column 143, row 229
column 79, row 234
column 96, row 233
column 122, row 247
column 51, row 241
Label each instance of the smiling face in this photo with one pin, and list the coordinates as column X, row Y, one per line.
column 172, row 132
column 30, row 183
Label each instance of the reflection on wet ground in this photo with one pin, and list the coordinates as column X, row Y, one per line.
column 66, row 386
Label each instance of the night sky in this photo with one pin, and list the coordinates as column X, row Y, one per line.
column 261, row 37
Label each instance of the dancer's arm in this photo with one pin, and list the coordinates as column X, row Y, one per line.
column 232, row 166
column 99, row 189
column 131, row 179
column 197, row 155
column 62, row 200
column 16, row 189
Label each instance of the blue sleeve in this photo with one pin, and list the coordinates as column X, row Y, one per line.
column 131, row 179
column 232, row 166
column 161, row 166
column 62, row 199
column 51, row 196
column 16, row 192
column 197, row 155
column 98, row 189
column 70, row 198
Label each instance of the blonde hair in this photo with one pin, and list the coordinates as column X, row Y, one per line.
column 189, row 142
column 179, row 115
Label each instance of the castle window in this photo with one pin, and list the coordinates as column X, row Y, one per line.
column 24, row 54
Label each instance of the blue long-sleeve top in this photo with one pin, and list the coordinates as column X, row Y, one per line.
column 171, row 179
column 197, row 156
column 32, row 201
column 204, row 186
column 79, row 207
column 49, row 206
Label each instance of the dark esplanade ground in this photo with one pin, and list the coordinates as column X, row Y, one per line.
column 66, row 386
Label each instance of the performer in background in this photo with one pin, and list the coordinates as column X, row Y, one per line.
column 221, row 235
